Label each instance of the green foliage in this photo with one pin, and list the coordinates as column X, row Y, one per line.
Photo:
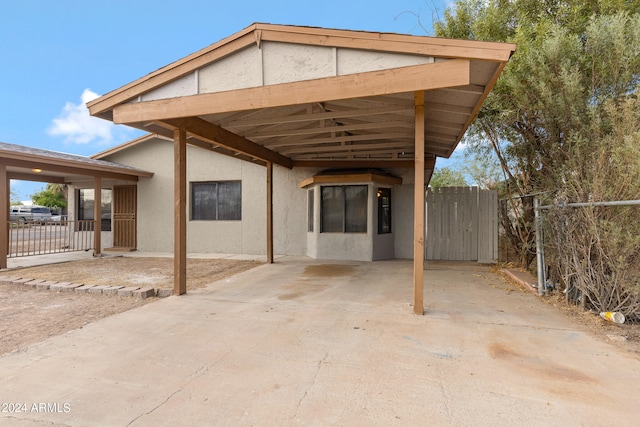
column 49, row 199
column 447, row 177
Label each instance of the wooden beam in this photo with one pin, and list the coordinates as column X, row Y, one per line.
column 269, row 212
column 5, row 192
column 37, row 177
column 337, row 149
column 395, row 136
column 97, row 216
column 180, row 212
column 372, row 164
column 315, row 117
column 351, row 178
column 214, row 133
column 328, row 129
column 418, row 209
column 455, row 72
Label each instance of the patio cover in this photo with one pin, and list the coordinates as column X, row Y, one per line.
column 35, row 164
column 314, row 97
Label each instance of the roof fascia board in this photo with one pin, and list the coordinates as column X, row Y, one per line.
column 75, row 170
column 395, row 43
column 455, row 72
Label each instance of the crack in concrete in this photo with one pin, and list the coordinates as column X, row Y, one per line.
column 195, row 375
column 313, row 382
column 33, row 420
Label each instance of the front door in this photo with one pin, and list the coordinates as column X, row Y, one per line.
column 124, row 217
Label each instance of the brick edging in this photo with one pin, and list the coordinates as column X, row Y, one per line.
column 122, row 291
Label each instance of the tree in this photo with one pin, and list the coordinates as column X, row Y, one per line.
column 54, row 196
column 570, row 58
column 447, row 177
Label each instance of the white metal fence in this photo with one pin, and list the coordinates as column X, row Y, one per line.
column 49, row 237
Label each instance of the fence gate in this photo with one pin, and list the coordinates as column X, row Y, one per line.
column 462, row 224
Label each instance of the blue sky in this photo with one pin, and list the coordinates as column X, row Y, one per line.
column 57, row 55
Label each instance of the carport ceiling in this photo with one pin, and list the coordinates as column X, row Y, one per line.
column 300, row 96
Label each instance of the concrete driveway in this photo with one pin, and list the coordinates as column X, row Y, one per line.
column 314, row 343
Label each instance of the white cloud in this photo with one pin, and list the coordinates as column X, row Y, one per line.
column 77, row 126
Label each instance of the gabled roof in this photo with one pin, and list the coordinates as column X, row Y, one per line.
column 36, row 164
column 300, row 95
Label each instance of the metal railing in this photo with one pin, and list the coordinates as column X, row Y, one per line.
column 49, row 237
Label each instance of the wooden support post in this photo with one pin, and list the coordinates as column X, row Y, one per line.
column 418, row 208
column 180, row 212
column 4, row 216
column 269, row 212
column 97, row 216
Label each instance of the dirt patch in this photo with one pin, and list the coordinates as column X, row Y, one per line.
column 626, row 336
column 28, row 316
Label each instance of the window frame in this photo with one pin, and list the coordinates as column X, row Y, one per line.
column 344, row 209
column 106, row 194
column 219, row 214
column 382, row 194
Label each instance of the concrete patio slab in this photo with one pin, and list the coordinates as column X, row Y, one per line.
column 304, row 342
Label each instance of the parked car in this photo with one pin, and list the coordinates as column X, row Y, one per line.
column 22, row 214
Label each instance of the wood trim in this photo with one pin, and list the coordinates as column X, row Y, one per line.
column 418, row 209
column 350, row 178
column 455, row 72
column 214, row 133
column 180, row 212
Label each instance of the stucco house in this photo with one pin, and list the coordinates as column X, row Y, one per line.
column 353, row 214
column 289, row 140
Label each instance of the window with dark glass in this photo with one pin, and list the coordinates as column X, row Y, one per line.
column 86, row 198
column 343, row 209
column 384, row 210
column 216, row 201
column 310, row 194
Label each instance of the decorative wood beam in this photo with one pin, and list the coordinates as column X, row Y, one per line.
column 214, row 133
column 455, row 72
